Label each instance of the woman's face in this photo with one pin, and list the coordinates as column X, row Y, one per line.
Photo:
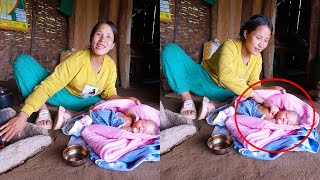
column 257, row 40
column 102, row 40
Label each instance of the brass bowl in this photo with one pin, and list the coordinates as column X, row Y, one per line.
column 220, row 144
column 75, row 155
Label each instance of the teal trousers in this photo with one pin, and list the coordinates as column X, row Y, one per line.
column 185, row 75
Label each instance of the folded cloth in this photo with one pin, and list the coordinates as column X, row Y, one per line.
column 265, row 134
column 310, row 145
column 111, row 143
column 132, row 159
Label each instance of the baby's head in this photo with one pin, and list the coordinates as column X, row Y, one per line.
column 287, row 117
column 145, row 126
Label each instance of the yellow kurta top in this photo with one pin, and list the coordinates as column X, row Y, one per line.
column 75, row 73
column 227, row 69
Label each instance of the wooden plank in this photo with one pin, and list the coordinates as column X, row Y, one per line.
column 314, row 37
column 103, row 9
column 223, row 18
column 246, row 11
column 235, row 19
column 124, row 57
column 213, row 21
column 114, row 17
column 91, row 19
column 257, row 7
column 269, row 9
column 71, row 26
column 80, row 12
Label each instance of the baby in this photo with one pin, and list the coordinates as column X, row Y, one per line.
column 127, row 120
column 267, row 111
column 134, row 124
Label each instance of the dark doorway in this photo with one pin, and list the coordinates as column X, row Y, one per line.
column 145, row 48
column 292, row 40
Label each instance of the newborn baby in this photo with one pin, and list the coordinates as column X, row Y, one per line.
column 269, row 112
column 127, row 120
column 266, row 111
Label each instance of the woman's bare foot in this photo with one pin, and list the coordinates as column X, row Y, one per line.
column 63, row 116
column 208, row 106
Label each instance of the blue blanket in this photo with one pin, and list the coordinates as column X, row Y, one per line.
column 311, row 144
column 132, row 159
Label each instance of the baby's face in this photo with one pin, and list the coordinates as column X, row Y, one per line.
column 286, row 117
column 143, row 126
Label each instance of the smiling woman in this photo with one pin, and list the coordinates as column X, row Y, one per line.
column 231, row 69
column 83, row 79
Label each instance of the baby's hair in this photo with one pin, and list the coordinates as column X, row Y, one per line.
column 298, row 117
column 155, row 128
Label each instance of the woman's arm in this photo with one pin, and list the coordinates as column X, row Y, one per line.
column 281, row 89
column 134, row 99
column 255, row 96
column 61, row 76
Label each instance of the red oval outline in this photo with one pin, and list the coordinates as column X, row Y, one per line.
column 283, row 80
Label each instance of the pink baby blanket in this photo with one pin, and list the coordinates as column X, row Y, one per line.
column 261, row 132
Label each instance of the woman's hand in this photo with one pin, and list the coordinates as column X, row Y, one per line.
column 256, row 97
column 13, row 126
column 274, row 110
column 135, row 100
column 281, row 89
column 131, row 113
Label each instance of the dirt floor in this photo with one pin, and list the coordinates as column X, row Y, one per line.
column 49, row 164
column 193, row 160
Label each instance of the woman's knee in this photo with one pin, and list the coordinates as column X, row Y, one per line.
column 172, row 51
column 22, row 60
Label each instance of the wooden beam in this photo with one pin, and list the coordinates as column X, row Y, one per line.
column 213, row 21
column 314, row 36
column 103, row 9
column 234, row 19
column 71, row 25
column 114, row 6
column 223, row 18
column 257, row 7
column 92, row 19
column 124, row 45
column 80, row 19
column 246, row 11
column 85, row 17
column 269, row 10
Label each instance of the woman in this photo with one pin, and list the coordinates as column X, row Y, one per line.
column 230, row 71
column 74, row 83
